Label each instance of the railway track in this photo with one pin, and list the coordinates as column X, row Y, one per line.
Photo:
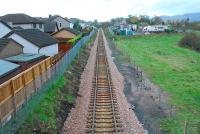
column 103, row 114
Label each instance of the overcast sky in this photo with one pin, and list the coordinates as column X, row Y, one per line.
column 102, row 10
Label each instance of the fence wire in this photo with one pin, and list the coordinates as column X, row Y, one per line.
column 30, row 96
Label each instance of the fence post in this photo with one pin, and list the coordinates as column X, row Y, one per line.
column 13, row 96
column 185, row 127
column 24, row 84
column 34, row 83
column 40, row 70
column 45, row 64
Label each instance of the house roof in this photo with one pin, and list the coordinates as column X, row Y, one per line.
column 17, row 28
column 51, row 18
column 74, row 20
column 25, row 57
column 4, row 41
column 20, row 19
column 49, row 26
column 7, row 67
column 3, row 22
column 68, row 29
column 35, row 36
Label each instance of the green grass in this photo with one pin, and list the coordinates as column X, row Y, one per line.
column 175, row 70
column 197, row 32
column 45, row 114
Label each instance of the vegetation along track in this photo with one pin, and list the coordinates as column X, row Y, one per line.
column 103, row 114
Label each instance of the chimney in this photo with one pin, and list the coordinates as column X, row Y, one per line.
column 50, row 16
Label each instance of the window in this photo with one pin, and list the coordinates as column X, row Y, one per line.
column 34, row 25
column 60, row 25
column 40, row 26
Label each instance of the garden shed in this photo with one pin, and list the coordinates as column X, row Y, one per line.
column 64, row 35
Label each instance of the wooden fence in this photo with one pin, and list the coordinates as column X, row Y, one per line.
column 16, row 91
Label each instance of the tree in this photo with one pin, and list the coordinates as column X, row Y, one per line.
column 133, row 19
column 95, row 23
column 156, row 20
column 187, row 24
column 77, row 26
column 144, row 19
column 113, row 22
column 105, row 24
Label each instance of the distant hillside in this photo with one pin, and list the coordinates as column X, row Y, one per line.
column 194, row 17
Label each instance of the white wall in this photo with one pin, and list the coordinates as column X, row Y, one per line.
column 29, row 26
column 64, row 23
column 24, row 26
column 71, row 25
column 28, row 46
column 3, row 30
column 49, row 50
column 38, row 27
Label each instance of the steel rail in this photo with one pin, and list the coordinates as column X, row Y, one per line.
column 95, row 91
column 103, row 65
column 110, row 89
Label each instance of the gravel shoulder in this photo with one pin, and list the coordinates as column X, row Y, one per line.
column 76, row 121
column 128, row 117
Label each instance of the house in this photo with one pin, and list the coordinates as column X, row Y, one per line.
column 60, row 21
column 24, row 21
column 63, row 36
column 155, row 28
column 50, row 27
column 4, row 28
column 84, row 24
column 9, row 47
column 66, row 34
column 34, row 41
column 71, row 23
column 125, row 29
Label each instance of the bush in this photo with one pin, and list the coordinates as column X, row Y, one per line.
column 191, row 40
column 74, row 40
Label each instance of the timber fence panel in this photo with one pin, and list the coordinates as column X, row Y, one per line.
column 19, row 98
column 6, row 109
column 5, row 91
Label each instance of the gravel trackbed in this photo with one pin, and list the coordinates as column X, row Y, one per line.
column 76, row 121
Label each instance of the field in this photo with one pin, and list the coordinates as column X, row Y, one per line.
column 175, row 70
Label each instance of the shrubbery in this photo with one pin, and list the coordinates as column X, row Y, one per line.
column 75, row 39
column 191, row 40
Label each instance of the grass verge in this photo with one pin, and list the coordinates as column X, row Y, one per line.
column 175, row 70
